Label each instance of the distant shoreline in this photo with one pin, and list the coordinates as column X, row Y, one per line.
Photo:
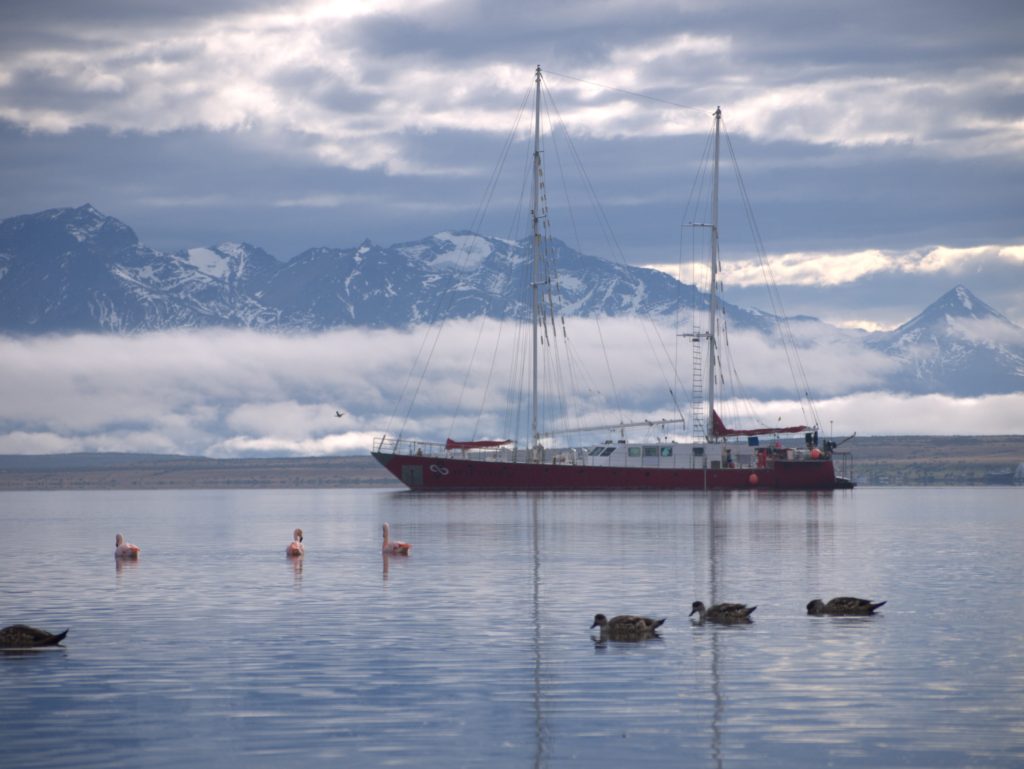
column 155, row 471
column 877, row 461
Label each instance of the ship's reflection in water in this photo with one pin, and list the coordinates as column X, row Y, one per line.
column 476, row 648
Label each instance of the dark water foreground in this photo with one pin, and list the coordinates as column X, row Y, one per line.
column 215, row 650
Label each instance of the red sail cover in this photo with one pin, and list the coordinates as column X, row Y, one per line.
column 719, row 430
column 450, row 444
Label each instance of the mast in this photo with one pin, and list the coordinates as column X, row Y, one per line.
column 535, row 282
column 713, row 296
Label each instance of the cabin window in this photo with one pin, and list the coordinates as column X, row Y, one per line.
column 634, row 451
column 666, row 451
column 650, row 451
column 596, row 450
column 608, row 451
column 698, row 451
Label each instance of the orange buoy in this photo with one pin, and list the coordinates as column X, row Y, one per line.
column 753, row 479
column 815, row 453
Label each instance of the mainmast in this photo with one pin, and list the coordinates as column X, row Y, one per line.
column 713, row 296
column 535, row 282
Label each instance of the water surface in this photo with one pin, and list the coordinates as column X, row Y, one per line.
column 214, row 649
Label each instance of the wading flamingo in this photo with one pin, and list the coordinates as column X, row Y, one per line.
column 124, row 549
column 295, row 547
column 394, row 548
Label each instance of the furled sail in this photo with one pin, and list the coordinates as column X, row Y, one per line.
column 719, row 430
column 450, row 444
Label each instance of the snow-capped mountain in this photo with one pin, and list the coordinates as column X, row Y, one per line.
column 67, row 270
column 954, row 341
column 75, row 269
column 459, row 275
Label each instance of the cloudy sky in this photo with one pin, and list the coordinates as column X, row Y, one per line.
column 881, row 143
column 232, row 393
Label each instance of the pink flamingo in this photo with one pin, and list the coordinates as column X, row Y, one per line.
column 124, row 549
column 394, row 548
column 295, row 547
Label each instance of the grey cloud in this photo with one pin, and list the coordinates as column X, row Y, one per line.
column 228, row 393
column 157, row 164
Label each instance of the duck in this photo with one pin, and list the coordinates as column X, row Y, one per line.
column 723, row 613
column 843, row 605
column 393, row 547
column 25, row 637
column 627, row 627
column 295, row 547
column 124, row 549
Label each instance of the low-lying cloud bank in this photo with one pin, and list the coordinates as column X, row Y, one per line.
column 243, row 393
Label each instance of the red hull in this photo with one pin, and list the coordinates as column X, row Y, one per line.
column 422, row 473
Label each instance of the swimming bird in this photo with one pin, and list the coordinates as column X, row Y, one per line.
column 843, row 605
column 627, row 627
column 723, row 613
column 394, row 547
column 25, row 637
column 124, row 549
column 295, row 547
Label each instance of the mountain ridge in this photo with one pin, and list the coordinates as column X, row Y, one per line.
column 70, row 270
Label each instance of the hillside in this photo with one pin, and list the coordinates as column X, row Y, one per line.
column 877, row 461
column 77, row 270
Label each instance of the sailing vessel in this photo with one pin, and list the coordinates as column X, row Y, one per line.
column 709, row 462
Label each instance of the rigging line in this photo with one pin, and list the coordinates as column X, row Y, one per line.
column 602, row 217
column 490, row 376
column 699, row 182
column 797, row 370
column 445, row 300
column 628, row 93
column 609, row 234
column 507, row 421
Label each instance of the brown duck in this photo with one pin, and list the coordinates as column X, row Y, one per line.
column 25, row 637
column 627, row 627
column 843, row 606
column 722, row 613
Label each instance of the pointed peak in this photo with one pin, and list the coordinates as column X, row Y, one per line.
column 961, row 301
column 90, row 210
column 958, row 302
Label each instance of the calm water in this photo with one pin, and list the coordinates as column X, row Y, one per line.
column 215, row 650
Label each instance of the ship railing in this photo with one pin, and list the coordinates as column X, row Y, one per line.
column 419, row 448
column 842, row 462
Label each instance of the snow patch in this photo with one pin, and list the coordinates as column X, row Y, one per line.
column 964, row 297
column 469, row 251
column 236, row 250
column 572, row 284
column 209, row 262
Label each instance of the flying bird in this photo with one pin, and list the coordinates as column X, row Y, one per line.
column 339, row 414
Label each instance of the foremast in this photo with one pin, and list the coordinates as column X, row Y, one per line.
column 535, row 282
